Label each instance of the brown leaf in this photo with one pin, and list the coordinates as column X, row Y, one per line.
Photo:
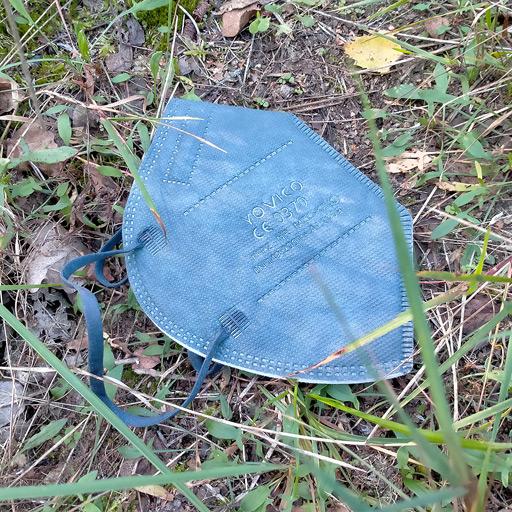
column 234, row 21
column 189, row 30
column 158, row 491
column 78, row 344
column 36, row 138
column 10, row 95
column 477, row 312
column 51, row 248
column 145, row 362
column 90, row 73
column 201, row 10
column 120, row 61
column 432, row 25
column 338, row 508
column 102, row 184
column 416, row 160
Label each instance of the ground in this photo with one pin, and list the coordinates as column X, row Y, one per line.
column 447, row 147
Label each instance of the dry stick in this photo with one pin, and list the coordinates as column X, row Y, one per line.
column 23, row 60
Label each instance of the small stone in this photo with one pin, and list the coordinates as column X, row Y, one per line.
column 285, row 91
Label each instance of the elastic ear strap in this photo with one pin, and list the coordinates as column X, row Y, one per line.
column 197, row 362
column 98, row 267
column 92, row 316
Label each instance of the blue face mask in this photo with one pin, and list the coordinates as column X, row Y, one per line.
column 278, row 252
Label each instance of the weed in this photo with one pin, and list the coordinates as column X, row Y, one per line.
column 314, row 446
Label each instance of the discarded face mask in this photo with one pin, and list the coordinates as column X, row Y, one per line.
column 277, row 253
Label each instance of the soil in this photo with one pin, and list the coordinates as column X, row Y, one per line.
column 304, row 72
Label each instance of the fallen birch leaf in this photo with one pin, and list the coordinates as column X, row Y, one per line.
column 373, row 51
column 407, row 162
column 78, row 344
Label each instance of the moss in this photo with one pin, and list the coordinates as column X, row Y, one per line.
column 49, row 71
column 181, row 467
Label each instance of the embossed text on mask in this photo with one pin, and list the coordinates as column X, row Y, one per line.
column 283, row 206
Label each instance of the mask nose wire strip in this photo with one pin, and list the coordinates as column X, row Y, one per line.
column 92, row 316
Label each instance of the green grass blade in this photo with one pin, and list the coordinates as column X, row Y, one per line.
column 501, row 406
column 133, row 482
column 95, row 402
column 133, row 164
column 467, row 278
column 385, row 10
column 16, row 287
column 480, row 266
column 398, row 321
column 434, row 437
column 459, row 474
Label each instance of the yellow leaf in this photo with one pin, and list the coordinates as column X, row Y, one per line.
column 373, row 51
column 157, row 491
column 478, row 170
column 456, row 186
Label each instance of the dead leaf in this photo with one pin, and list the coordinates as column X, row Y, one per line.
column 235, row 4
column 120, row 61
column 36, row 138
column 10, row 95
column 136, row 36
column 373, row 51
column 417, row 160
column 456, row 186
column 189, row 30
column 235, row 20
column 78, row 344
column 103, row 185
column 158, row 492
column 90, row 73
column 432, row 26
column 11, row 401
column 52, row 248
column 477, row 312
column 145, row 362
column 201, row 10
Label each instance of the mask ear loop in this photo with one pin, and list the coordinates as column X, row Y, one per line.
column 93, row 320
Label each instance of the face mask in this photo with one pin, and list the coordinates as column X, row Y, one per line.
column 277, row 252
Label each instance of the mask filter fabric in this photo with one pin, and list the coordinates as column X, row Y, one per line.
column 277, row 252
